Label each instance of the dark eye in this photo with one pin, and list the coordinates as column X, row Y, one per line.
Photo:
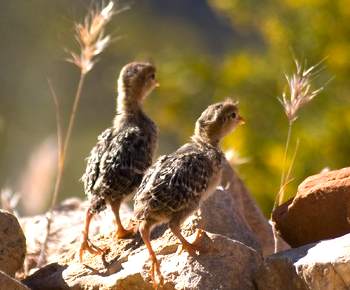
column 233, row 115
column 152, row 76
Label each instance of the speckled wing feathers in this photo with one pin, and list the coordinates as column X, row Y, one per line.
column 175, row 181
column 117, row 164
column 93, row 161
column 128, row 158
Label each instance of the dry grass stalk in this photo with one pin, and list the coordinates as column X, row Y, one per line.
column 299, row 94
column 299, row 89
column 91, row 37
column 92, row 40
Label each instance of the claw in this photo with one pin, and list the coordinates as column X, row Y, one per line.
column 124, row 233
column 91, row 248
column 155, row 271
column 195, row 246
column 190, row 248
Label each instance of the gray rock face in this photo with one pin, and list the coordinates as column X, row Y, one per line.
column 219, row 215
column 66, row 228
column 248, row 211
column 12, row 244
column 8, row 283
column 229, row 217
column 320, row 266
column 228, row 265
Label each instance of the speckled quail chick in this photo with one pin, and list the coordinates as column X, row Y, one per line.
column 176, row 184
column 123, row 152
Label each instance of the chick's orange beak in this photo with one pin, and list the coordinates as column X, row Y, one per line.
column 156, row 84
column 241, row 120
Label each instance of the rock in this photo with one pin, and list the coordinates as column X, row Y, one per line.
column 320, row 266
column 223, row 216
column 229, row 265
column 243, row 222
column 219, row 215
column 66, row 228
column 12, row 244
column 9, row 283
column 320, row 210
column 180, row 271
column 249, row 211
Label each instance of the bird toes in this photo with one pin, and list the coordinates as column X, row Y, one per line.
column 124, row 233
column 189, row 248
column 86, row 245
column 155, row 273
column 199, row 244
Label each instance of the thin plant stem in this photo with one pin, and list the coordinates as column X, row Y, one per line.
column 62, row 153
column 72, row 120
column 92, row 41
column 58, row 122
column 284, row 164
column 287, row 179
column 281, row 191
column 300, row 93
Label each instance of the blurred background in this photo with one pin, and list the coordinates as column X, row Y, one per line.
column 204, row 51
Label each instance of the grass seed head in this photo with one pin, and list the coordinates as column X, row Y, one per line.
column 90, row 34
column 299, row 91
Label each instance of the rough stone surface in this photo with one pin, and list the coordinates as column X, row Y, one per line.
column 319, row 266
column 229, row 216
column 12, row 244
column 219, row 215
column 66, row 229
column 249, row 211
column 236, row 216
column 9, row 283
column 320, row 209
column 180, row 271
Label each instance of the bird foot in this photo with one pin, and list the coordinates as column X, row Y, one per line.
column 155, row 272
column 191, row 249
column 196, row 245
column 87, row 245
column 124, row 233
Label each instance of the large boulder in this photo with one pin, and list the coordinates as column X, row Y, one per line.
column 226, row 264
column 12, row 244
column 320, row 210
column 248, row 210
column 320, row 266
column 229, row 218
column 230, row 212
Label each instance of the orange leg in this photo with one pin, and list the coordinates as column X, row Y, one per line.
column 144, row 229
column 121, row 233
column 191, row 248
column 86, row 243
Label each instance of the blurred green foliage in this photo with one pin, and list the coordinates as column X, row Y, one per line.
column 307, row 29
column 204, row 51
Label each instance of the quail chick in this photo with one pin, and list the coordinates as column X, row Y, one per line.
column 123, row 152
column 176, row 184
